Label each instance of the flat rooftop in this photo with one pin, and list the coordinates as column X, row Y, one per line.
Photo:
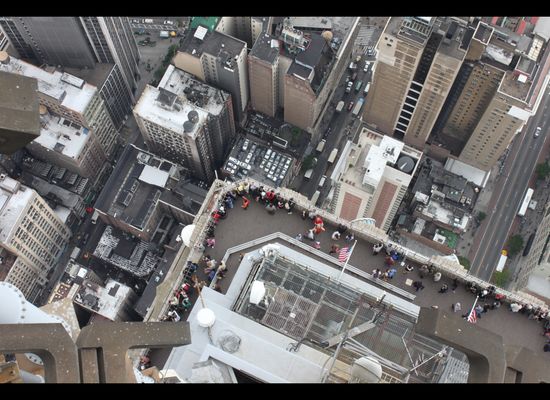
column 177, row 95
column 250, row 159
column 265, row 48
column 126, row 252
column 255, row 223
column 94, row 76
column 67, row 89
column 374, row 154
column 103, row 300
column 139, row 181
column 62, row 136
column 214, row 43
column 14, row 199
column 45, row 188
column 64, row 178
column 453, row 35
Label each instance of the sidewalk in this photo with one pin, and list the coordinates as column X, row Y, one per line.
column 466, row 240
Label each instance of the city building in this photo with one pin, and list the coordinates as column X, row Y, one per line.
column 112, row 302
column 126, row 252
column 32, row 237
column 19, row 116
column 110, row 83
column 68, row 145
column 217, row 59
column 535, row 267
column 372, row 177
column 187, row 121
column 263, row 73
column 310, row 66
column 59, row 186
column 489, row 103
column 251, row 159
column 146, row 195
column 439, row 208
column 519, row 25
column 95, row 301
column 243, row 28
column 418, row 60
column 82, row 42
column 71, row 101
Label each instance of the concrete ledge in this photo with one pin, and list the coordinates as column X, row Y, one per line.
column 113, row 340
column 484, row 349
column 50, row 342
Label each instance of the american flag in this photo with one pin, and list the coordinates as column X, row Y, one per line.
column 472, row 317
column 343, row 254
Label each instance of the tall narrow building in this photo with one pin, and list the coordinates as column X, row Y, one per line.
column 32, row 237
column 217, row 59
column 263, row 73
column 489, row 102
column 419, row 59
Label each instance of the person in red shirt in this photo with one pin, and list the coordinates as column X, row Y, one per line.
column 246, row 202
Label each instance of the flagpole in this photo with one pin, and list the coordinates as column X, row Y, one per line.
column 475, row 302
column 347, row 259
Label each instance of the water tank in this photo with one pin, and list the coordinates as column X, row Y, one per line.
column 405, row 164
column 327, row 35
column 188, row 126
column 43, row 109
column 193, row 116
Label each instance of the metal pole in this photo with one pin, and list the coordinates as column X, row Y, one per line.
column 347, row 259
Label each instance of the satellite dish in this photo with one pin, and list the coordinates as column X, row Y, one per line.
column 257, row 292
column 366, row 370
column 186, row 234
column 405, row 164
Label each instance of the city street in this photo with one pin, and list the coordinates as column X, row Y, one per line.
column 339, row 122
column 511, row 188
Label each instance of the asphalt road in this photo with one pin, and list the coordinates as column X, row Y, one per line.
column 337, row 135
column 512, row 186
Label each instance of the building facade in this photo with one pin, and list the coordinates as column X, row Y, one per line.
column 71, row 108
column 81, row 42
column 372, row 178
column 32, row 237
column 534, row 274
column 187, row 122
column 419, row 59
column 219, row 60
column 489, row 103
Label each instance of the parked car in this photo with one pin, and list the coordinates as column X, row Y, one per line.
column 350, row 105
column 537, row 131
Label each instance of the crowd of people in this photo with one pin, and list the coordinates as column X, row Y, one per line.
column 488, row 297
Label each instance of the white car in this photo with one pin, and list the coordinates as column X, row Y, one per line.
column 537, row 131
